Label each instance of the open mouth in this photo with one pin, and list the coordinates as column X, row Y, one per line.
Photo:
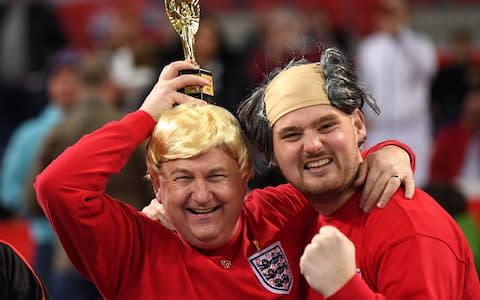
column 203, row 211
column 317, row 163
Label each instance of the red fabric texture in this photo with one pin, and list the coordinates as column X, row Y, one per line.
column 411, row 249
column 129, row 256
column 448, row 153
column 17, row 232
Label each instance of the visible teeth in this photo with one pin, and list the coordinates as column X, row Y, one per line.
column 318, row 163
column 201, row 211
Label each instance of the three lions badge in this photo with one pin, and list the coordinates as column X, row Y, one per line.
column 270, row 265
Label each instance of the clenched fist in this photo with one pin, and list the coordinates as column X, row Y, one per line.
column 328, row 262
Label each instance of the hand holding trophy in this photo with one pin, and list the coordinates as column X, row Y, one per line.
column 184, row 15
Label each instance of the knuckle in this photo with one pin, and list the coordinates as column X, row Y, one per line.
column 169, row 66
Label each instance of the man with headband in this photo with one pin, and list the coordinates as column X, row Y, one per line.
column 226, row 245
column 308, row 121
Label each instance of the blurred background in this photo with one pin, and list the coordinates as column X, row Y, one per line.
column 68, row 66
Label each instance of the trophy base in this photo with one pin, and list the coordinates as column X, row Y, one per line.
column 204, row 93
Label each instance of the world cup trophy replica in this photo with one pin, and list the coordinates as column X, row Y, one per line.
column 184, row 15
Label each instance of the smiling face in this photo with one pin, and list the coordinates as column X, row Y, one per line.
column 203, row 197
column 316, row 148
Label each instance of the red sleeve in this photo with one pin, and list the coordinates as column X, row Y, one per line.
column 421, row 255
column 440, row 167
column 405, row 147
column 448, row 153
column 355, row 288
column 89, row 223
column 417, row 268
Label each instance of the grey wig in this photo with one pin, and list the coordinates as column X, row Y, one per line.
column 341, row 87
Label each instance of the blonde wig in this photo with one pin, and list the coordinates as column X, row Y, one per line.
column 189, row 130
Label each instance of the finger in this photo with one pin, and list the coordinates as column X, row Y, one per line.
column 156, row 205
column 152, row 209
column 327, row 229
column 187, row 80
column 360, row 180
column 371, row 182
column 171, row 70
column 147, row 208
column 392, row 186
column 146, row 211
column 316, row 239
column 180, row 98
column 166, row 223
column 409, row 185
column 377, row 190
column 303, row 263
column 329, row 234
column 384, row 188
column 361, row 174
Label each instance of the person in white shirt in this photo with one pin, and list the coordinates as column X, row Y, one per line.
column 397, row 64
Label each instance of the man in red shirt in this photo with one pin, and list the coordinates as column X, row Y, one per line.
column 227, row 244
column 308, row 120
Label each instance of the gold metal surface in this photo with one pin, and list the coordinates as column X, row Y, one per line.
column 184, row 15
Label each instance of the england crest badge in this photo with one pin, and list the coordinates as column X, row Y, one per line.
column 271, row 267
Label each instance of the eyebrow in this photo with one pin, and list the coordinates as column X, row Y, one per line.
column 180, row 171
column 327, row 117
column 183, row 171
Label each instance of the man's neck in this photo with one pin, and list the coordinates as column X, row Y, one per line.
column 328, row 205
column 329, row 202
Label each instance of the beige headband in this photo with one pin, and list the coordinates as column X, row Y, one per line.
column 294, row 88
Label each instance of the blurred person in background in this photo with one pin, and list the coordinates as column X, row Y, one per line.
column 453, row 80
column 99, row 104
column 131, row 57
column 397, row 64
column 63, row 90
column 456, row 149
column 30, row 33
column 322, row 31
column 455, row 203
column 24, row 145
column 282, row 35
column 213, row 54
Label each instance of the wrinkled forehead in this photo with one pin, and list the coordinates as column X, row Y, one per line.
column 294, row 88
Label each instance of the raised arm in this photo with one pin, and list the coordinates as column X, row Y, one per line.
column 71, row 190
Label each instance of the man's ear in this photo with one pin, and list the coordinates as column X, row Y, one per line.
column 358, row 120
column 158, row 196
column 156, row 186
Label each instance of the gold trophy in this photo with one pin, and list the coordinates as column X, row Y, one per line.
column 184, row 15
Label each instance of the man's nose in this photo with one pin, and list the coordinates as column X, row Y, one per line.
column 201, row 191
column 312, row 143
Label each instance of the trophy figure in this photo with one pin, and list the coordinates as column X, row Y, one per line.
column 184, row 15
